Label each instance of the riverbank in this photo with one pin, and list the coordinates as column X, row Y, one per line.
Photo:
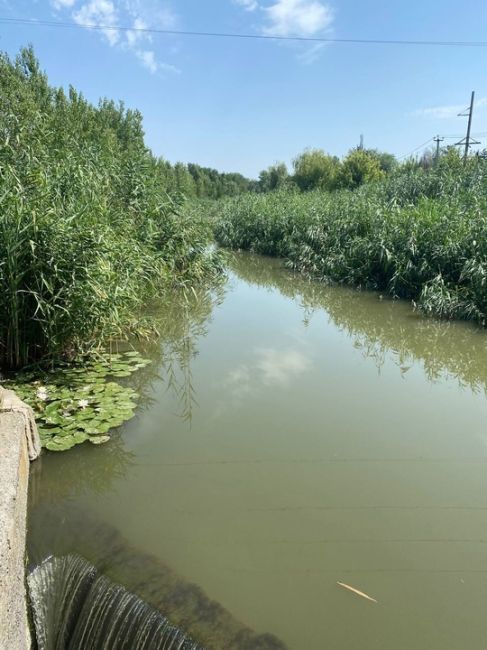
column 419, row 234
column 19, row 444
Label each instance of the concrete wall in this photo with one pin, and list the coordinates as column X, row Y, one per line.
column 18, row 443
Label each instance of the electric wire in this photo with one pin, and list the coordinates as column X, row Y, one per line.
column 407, row 155
column 274, row 37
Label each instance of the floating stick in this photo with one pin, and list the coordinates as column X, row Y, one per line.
column 356, row 591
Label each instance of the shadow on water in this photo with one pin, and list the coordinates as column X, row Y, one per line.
column 378, row 326
column 67, row 530
column 74, row 606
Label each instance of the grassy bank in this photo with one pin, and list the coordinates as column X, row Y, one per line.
column 419, row 234
column 90, row 229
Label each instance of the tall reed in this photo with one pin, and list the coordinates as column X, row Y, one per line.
column 88, row 230
column 419, row 234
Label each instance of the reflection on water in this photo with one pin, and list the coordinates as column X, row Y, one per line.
column 58, row 526
column 457, row 350
column 292, row 435
column 83, row 471
column 181, row 319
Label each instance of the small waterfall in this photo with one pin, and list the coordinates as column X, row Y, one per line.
column 74, row 607
column 59, row 528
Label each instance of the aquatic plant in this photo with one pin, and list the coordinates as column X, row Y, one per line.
column 419, row 234
column 75, row 403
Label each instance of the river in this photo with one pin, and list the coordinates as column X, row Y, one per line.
column 293, row 435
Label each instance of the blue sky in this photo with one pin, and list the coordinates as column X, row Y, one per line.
column 240, row 105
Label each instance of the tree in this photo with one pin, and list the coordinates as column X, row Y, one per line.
column 314, row 169
column 359, row 167
column 387, row 161
column 184, row 181
column 273, row 178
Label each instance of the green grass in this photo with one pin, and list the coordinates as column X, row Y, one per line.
column 420, row 235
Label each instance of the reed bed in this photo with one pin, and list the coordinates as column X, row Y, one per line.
column 419, row 234
column 88, row 229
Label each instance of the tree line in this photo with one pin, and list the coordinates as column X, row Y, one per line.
column 315, row 169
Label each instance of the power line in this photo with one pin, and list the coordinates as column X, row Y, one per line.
column 406, row 155
column 175, row 32
column 460, row 135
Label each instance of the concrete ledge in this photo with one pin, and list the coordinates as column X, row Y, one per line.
column 18, row 442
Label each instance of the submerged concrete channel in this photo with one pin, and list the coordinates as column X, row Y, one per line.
column 19, row 444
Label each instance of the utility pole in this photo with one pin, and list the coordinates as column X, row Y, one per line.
column 437, row 140
column 467, row 141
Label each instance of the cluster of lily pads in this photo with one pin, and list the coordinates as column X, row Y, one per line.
column 78, row 402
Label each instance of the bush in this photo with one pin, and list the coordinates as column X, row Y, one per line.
column 314, row 169
column 359, row 167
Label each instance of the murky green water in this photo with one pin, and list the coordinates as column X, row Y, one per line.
column 298, row 435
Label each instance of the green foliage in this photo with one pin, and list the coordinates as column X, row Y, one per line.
column 314, row 169
column 75, row 403
column 359, row 167
column 91, row 224
column 387, row 161
column 417, row 234
column 273, row 178
column 211, row 184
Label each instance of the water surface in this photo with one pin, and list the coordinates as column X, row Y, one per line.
column 292, row 436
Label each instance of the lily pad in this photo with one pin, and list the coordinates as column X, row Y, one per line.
column 99, row 440
column 80, row 402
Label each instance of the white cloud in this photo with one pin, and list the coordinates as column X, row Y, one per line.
column 248, row 5
column 312, row 53
column 448, row 111
column 101, row 13
column 60, row 4
column 302, row 18
column 270, row 366
column 157, row 14
column 140, row 14
column 149, row 61
column 297, row 18
column 134, row 36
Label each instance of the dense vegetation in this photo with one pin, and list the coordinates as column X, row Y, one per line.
column 314, row 169
column 417, row 234
column 91, row 225
column 196, row 182
column 212, row 184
